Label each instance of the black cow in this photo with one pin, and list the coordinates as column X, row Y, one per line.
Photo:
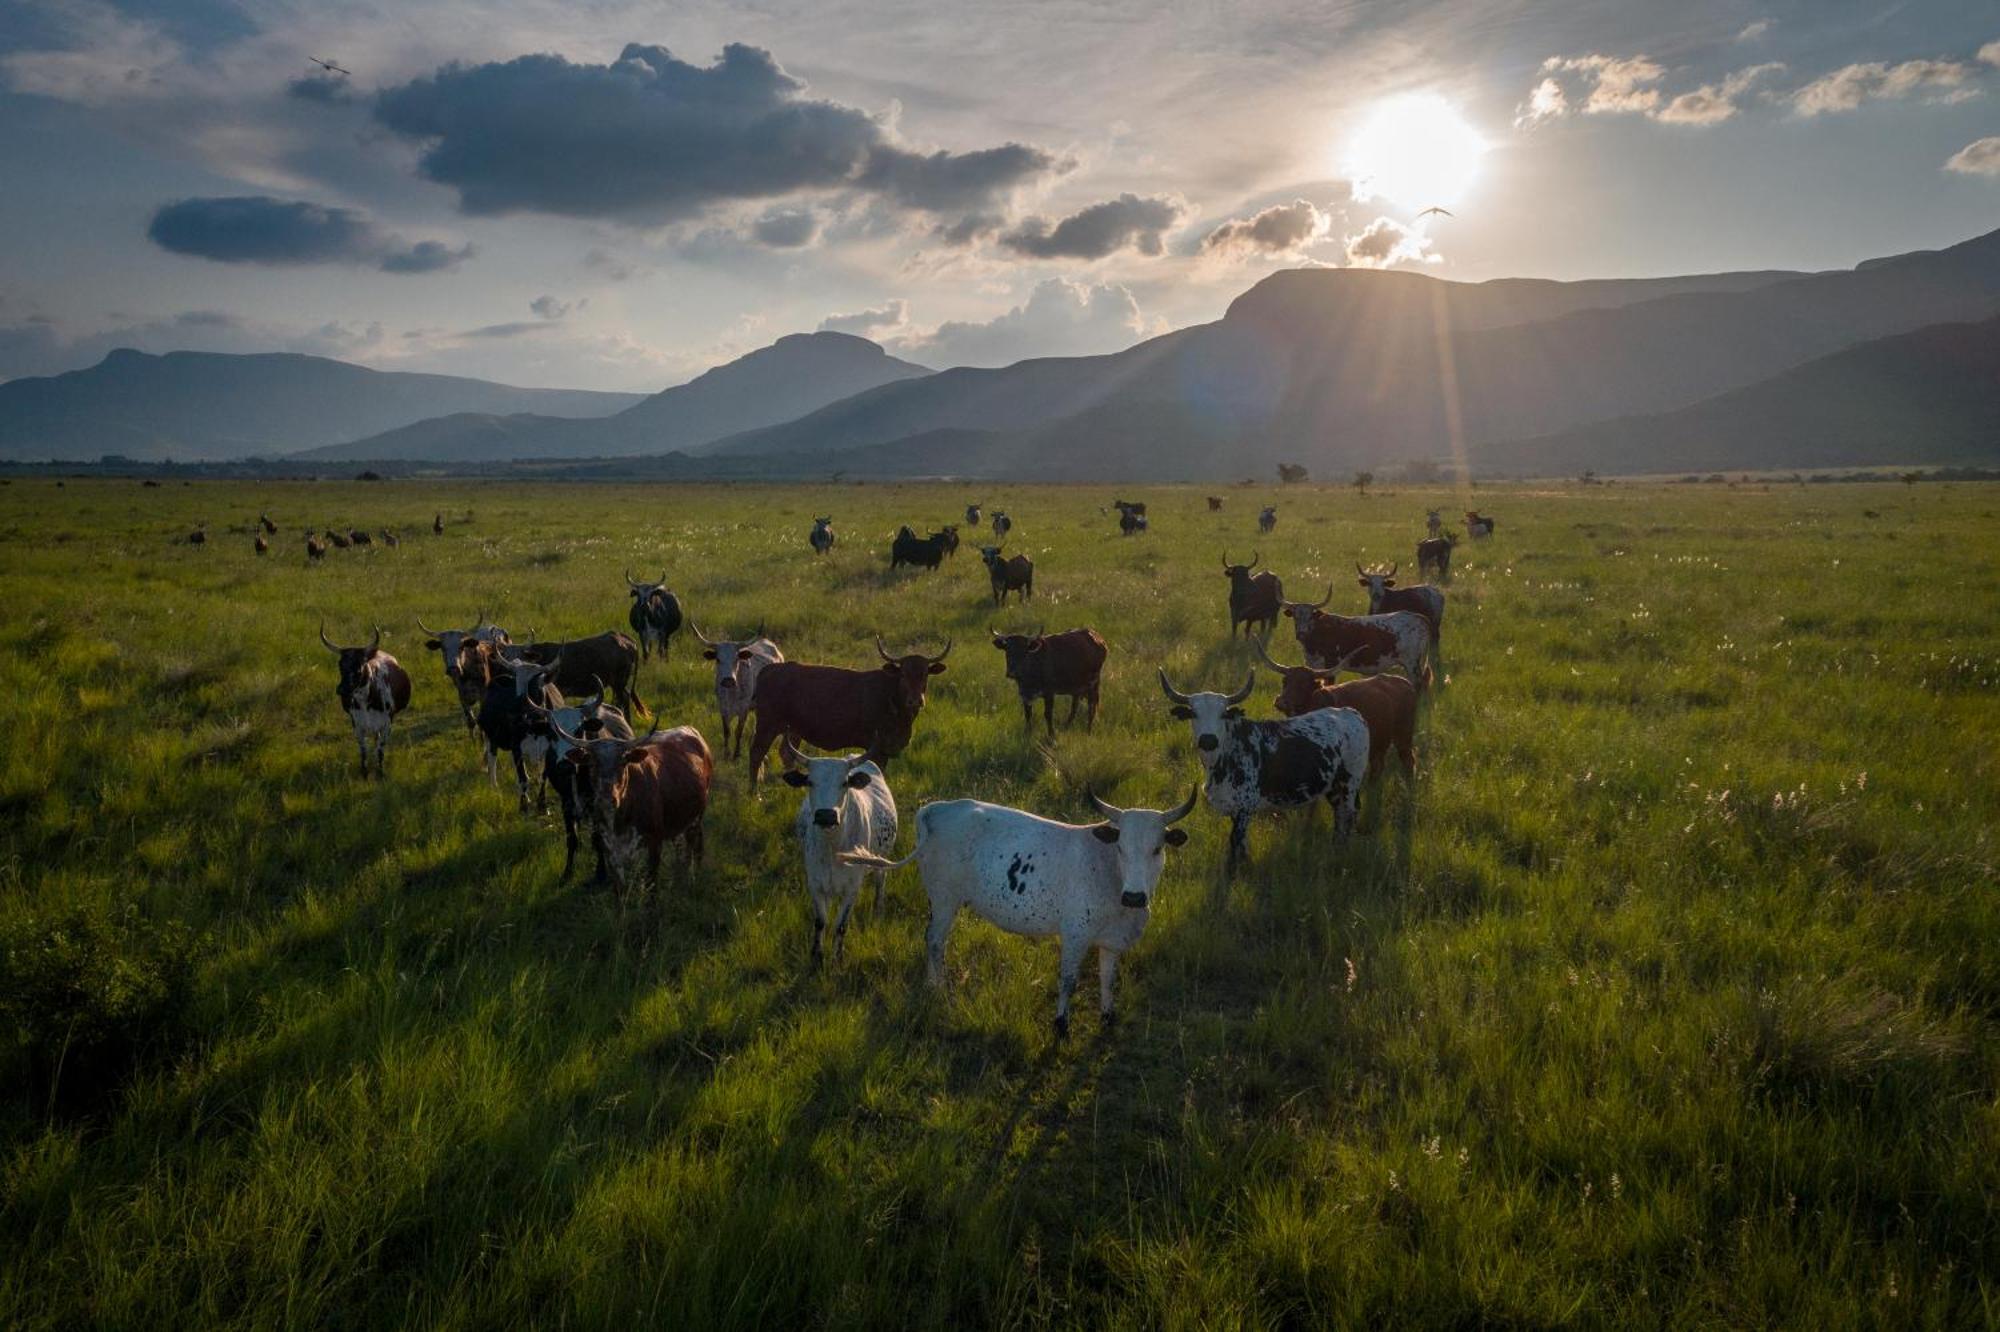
column 1045, row 665
column 1016, row 573
column 655, row 616
column 1252, row 600
column 1434, row 557
column 922, row 552
column 504, row 721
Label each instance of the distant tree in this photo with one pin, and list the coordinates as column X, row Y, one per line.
column 1291, row 473
column 370, row 475
column 1911, row 478
column 1363, row 480
column 1589, row 477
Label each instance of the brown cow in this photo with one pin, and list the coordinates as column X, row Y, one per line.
column 1215, row 504
column 1370, row 644
column 1384, row 596
column 1044, row 665
column 644, row 794
column 1016, row 573
column 837, row 709
column 263, row 544
column 1252, row 600
column 1388, row 703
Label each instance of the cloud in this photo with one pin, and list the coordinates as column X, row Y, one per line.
column 1386, row 242
column 257, row 229
column 1546, row 102
column 516, row 329
column 1128, row 221
column 1990, row 54
column 969, row 229
column 1281, row 229
column 1059, row 318
column 1756, row 28
column 1981, row 157
column 548, row 307
column 329, row 89
column 1713, row 103
column 787, row 230
column 1847, row 88
column 883, row 320
column 650, row 139
column 1619, row 85
column 611, row 267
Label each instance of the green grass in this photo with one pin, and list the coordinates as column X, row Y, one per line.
column 1669, row 995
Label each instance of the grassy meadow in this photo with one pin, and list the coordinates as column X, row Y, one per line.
column 1669, row 994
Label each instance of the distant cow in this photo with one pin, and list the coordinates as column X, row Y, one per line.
column 1368, row 644
column 264, row 521
column 315, row 548
column 833, row 708
column 373, row 688
column 1016, row 573
column 1129, row 506
column 1433, row 521
column 1259, row 767
column 1002, row 525
column 1477, row 526
column 339, row 542
column 655, row 615
column 1091, row 886
column 1384, row 596
column 359, row 537
column 1255, row 600
column 450, row 645
column 847, row 807
column 1042, row 666
column 921, row 552
column 262, row 544
column 821, row 539
column 1434, row 557
column 1267, row 519
column 198, row 537
column 589, row 718
column 437, row 525
column 972, row 516
column 585, row 665
column 643, row 794
column 950, row 534
column 1387, row 704
column 1215, row 504
column 1131, row 523
column 504, row 721
column 738, row 663
column 389, row 538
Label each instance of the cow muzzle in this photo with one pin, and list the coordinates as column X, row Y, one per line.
column 1137, row 901
column 1207, row 744
column 826, row 818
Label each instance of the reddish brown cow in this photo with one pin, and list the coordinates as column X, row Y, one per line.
column 837, row 709
column 644, row 794
column 1384, row 596
column 1387, row 703
column 1045, row 665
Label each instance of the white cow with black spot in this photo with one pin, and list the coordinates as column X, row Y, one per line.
column 1089, row 886
column 847, row 807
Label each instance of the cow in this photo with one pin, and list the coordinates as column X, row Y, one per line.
column 655, row 615
column 972, row 516
column 1369, row 644
column 1215, row 504
column 1130, row 523
column 582, row 664
column 315, row 548
column 1129, row 506
column 1002, row 525
column 264, row 521
column 198, row 537
column 738, row 663
column 1258, row 767
column 1016, row 573
column 1267, row 519
column 847, row 806
column 1043, row 665
column 1433, row 521
column 389, row 538
column 1477, row 526
column 359, row 537
column 949, row 532
column 589, row 718
column 339, row 542
column 643, row 794
column 821, row 539
column 504, row 710
column 263, row 544
column 1252, row 600
column 833, row 708
column 921, row 552
column 1089, row 885
column 437, row 525
column 373, row 688
column 1434, row 557
column 1384, row 597
column 1387, row 704
column 450, row 645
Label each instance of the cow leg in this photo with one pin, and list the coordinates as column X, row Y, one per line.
column 818, row 928
column 569, row 842
column 492, row 763
column 1028, row 713
column 602, row 875
column 361, row 747
column 1090, row 718
column 934, row 939
column 521, row 778
column 693, row 841
column 1072, row 964
column 1049, row 713
column 840, row 922
column 760, row 746
column 1107, row 975
column 1239, row 837
column 1345, row 797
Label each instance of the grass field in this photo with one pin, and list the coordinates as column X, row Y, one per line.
column 1670, row 994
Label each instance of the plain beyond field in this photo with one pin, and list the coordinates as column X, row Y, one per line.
column 1668, row 991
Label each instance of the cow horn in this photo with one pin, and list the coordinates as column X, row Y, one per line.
column 575, row 740
column 324, row 639
column 1226, row 565
column 376, row 641
column 597, row 698
column 882, row 650
column 995, row 632
column 706, row 641
column 1249, row 683
column 1358, row 569
column 1267, row 659
column 760, row 632
column 629, row 582
column 1321, row 603
column 1393, row 567
column 946, row 653
column 1332, row 673
column 663, row 578
column 1108, row 811
column 426, row 628
column 789, row 752
column 1173, row 695
column 1255, row 556
column 1185, row 808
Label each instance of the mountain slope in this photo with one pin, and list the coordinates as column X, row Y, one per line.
column 791, row 377
column 1932, row 396
column 207, row 405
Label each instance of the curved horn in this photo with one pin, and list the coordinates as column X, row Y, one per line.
column 597, row 697
column 995, row 632
column 1267, row 659
column 1226, row 565
column 426, row 628
column 1108, row 811
column 789, row 752
column 575, row 741
column 324, row 639
column 760, row 632
column 1249, row 683
column 882, row 650
column 1321, row 603
column 1255, row 557
column 706, row 641
column 1393, row 567
column 1359, row 570
column 1185, row 808
column 630, row 583
column 1332, row 673
column 1167, row 687
column 376, row 641
column 946, row 653
column 663, row 578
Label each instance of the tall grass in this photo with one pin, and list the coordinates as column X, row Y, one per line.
column 1667, row 992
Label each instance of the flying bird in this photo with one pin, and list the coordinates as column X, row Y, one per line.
column 329, row 66
column 1441, row 212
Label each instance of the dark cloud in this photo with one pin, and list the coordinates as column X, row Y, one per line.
column 789, row 230
column 969, row 229
column 1279, row 229
column 867, row 323
column 1128, row 221
column 610, row 266
column 548, row 307
column 650, row 139
column 513, row 330
column 257, row 229
column 330, row 89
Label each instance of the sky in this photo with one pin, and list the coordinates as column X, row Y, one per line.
column 618, row 195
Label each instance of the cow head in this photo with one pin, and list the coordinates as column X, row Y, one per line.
column 1300, row 613
column 598, row 763
column 354, row 663
column 1142, row 837
column 728, row 656
column 827, row 782
column 450, row 643
column 950, row 534
column 530, row 675
column 1377, row 581
column 1209, row 712
column 912, row 673
column 1239, row 574
column 1019, row 648
column 643, row 593
column 991, row 554
column 1299, row 686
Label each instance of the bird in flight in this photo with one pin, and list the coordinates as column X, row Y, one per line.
column 329, row 66
column 1441, row 212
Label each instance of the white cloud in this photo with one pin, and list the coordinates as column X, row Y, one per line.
column 1385, row 243
column 889, row 320
column 1059, row 318
column 1981, row 157
column 1990, row 53
column 1546, row 102
column 1847, row 88
column 1713, row 103
column 1755, row 28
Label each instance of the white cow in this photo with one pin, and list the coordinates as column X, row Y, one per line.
column 737, row 666
column 1090, row 886
column 847, row 807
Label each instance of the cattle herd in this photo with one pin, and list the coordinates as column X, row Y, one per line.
column 544, row 705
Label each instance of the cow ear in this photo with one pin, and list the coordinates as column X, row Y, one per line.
column 892, row 668
column 593, row 726
column 793, row 777
column 1176, row 837
column 433, row 644
column 998, row 644
column 1105, row 832
column 858, row 780
column 1183, row 712
column 937, row 668
column 709, row 654
column 1232, row 712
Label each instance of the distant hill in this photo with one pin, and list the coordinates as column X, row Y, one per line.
column 207, row 405
column 791, row 377
column 1932, row 396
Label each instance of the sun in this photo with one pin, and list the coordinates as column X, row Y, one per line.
column 1414, row 150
